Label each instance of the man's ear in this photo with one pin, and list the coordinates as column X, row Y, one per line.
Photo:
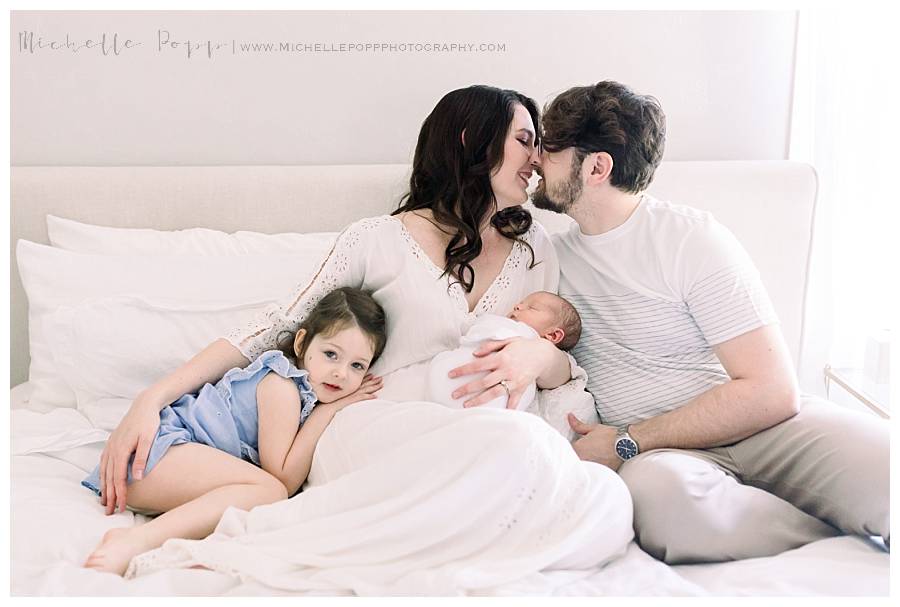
column 554, row 336
column 298, row 344
column 600, row 169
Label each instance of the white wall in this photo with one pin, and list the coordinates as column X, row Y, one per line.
column 724, row 79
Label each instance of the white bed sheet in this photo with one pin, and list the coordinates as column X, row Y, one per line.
column 56, row 523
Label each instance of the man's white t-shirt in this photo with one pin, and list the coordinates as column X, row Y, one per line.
column 655, row 295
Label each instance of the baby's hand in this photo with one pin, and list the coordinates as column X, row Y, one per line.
column 366, row 391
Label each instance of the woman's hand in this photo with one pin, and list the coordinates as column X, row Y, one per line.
column 518, row 362
column 366, row 391
column 134, row 434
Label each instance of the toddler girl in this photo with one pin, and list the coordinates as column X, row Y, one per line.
column 249, row 439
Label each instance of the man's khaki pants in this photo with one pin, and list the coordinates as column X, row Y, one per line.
column 824, row 472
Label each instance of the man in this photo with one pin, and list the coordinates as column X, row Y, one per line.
column 699, row 406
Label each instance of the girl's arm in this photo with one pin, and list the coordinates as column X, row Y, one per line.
column 343, row 266
column 285, row 452
column 208, row 366
column 136, row 431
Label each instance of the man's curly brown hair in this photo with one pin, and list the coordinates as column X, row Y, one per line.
column 609, row 117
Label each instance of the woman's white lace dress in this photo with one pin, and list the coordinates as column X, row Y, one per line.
column 406, row 496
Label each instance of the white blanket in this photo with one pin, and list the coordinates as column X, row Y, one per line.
column 487, row 327
column 414, row 498
column 56, row 523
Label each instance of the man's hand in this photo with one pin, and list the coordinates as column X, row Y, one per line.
column 366, row 391
column 597, row 443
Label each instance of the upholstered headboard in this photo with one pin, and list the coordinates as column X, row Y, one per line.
column 768, row 205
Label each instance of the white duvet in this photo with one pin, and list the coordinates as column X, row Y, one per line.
column 56, row 523
column 399, row 506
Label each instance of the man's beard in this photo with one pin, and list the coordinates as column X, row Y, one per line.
column 560, row 198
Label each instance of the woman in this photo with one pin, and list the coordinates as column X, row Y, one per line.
column 458, row 247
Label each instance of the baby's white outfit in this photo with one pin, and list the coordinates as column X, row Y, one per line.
column 487, row 327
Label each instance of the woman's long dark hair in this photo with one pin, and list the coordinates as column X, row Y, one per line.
column 453, row 179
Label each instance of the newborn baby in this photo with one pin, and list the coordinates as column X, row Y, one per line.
column 541, row 314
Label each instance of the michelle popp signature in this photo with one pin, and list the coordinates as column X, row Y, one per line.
column 112, row 44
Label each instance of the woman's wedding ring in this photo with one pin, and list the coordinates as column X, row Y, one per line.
column 505, row 384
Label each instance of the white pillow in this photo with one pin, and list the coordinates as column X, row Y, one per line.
column 55, row 277
column 114, row 347
column 86, row 238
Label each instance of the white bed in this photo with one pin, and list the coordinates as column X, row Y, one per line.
column 99, row 298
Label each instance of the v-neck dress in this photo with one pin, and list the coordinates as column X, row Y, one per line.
column 427, row 313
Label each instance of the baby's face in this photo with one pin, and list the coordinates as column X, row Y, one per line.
column 539, row 311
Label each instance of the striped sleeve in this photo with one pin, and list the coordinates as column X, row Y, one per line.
column 723, row 290
column 730, row 302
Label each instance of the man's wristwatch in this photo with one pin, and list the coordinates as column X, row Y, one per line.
column 626, row 447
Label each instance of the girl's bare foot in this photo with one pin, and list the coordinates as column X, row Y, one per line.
column 116, row 550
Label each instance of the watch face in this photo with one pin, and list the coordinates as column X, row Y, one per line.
column 626, row 448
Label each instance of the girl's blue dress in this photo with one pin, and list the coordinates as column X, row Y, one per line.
column 223, row 415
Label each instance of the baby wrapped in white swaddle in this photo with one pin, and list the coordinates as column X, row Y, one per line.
column 541, row 314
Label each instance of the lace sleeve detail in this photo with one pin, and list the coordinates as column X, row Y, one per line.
column 343, row 266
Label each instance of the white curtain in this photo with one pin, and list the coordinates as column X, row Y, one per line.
column 845, row 123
